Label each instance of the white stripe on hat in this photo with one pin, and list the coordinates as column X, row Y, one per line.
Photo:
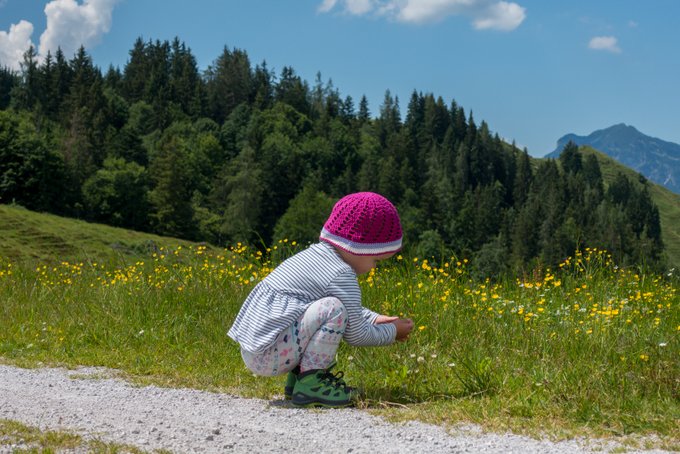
column 360, row 248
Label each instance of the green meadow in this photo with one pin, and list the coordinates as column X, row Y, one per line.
column 587, row 348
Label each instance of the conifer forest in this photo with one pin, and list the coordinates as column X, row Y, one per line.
column 239, row 152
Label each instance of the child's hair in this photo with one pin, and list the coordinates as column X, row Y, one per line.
column 364, row 223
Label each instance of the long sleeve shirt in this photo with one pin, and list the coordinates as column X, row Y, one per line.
column 283, row 296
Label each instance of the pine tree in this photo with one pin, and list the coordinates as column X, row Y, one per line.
column 436, row 119
column 571, row 159
column 25, row 94
column 364, row 114
column 523, row 179
column 185, row 80
column 136, row 73
column 8, row 80
column 174, row 179
column 292, row 90
column 229, row 83
column 60, row 84
column 237, row 197
column 263, row 87
column 389, row 122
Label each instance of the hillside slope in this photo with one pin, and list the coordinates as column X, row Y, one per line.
column 27, row 235
column 667, row 201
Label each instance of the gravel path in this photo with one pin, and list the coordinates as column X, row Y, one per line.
column 89, row 402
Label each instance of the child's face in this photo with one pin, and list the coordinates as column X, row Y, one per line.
column 364, row 263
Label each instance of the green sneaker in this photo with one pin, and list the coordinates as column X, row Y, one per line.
column 337, row 378
column 321, row 388
column 291, row 379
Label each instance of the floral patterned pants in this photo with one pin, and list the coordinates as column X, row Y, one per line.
column 311, row 341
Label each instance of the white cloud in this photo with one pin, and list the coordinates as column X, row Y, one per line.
column 632, row 24
column 71, row 25
column 606, row 43
column 501, row 16
column 421, row 11
column 485, row 14
column 359, row 7
column 14, row 43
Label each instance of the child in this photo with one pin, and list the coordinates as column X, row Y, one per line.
column 294, row 319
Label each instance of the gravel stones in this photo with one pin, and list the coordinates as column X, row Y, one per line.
column 95, row 404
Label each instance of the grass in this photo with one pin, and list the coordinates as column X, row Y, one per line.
column 585, row 349
column 29, row 236
column 26, row 439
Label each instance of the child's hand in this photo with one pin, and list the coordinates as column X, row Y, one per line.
column 385, row 319
column 404, row 328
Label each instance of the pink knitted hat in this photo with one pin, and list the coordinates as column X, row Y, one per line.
column 363, row 223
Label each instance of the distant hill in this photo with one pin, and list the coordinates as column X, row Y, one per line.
column 667, row 201
column 654, row 158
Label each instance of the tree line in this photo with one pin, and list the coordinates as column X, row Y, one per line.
column 242, row 153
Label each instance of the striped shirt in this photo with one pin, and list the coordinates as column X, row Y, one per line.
column 284, row 295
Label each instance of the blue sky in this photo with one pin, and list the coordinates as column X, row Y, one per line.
column 534, row 70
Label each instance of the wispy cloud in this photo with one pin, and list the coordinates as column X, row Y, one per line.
column 485, row 14
column 606, row 43
column 70, row 24
column 327, row 5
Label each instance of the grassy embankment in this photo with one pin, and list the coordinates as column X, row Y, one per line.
column 27, row 236
column 585, row 349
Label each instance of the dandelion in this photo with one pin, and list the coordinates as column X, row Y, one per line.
column 644, row 357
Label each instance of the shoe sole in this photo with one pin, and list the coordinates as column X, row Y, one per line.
column 322, row 405
column 304, row 401
column 288, row 393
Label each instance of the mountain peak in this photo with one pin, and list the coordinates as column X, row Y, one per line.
column 623, row 127
column 654, row 158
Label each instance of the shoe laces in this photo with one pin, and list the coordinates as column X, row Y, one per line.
column 335, row 380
